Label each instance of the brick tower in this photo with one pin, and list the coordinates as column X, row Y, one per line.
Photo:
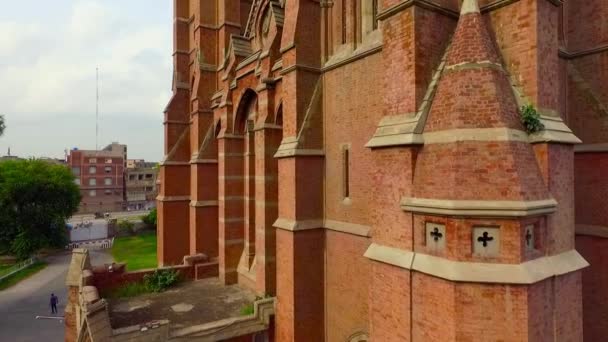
column 482, row 242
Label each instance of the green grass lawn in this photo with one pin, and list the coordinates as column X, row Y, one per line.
column 19, row 276
column 138, row 252
column 4, row 269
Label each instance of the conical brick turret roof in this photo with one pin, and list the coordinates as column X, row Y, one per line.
column 476, row 148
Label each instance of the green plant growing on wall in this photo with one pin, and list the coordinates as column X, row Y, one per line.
column 531, row 119
column 161, row 280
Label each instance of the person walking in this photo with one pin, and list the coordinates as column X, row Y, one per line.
column 54, row 301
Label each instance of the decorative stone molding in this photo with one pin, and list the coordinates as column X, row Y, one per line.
column 526, row 273
column 478, row 208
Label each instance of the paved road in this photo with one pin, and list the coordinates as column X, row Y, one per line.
column 20, row 304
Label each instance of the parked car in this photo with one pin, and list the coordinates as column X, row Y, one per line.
column 98, row 215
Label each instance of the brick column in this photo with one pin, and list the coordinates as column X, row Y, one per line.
column 231, row 209
column 204, row 207
column 300, row 251
column 266, row 202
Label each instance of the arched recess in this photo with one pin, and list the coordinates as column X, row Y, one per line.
column 244, row 120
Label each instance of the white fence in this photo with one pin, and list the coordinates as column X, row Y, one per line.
column 18, row 267
column 92, row 244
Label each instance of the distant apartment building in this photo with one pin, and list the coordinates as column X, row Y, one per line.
column 101, row 177
column 141, row 184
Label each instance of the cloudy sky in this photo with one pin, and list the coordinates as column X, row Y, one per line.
column 49, row 50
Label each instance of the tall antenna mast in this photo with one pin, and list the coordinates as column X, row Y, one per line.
column 96, row 108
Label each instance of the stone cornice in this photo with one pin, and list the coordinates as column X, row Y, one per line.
column 478, row 208
column 526, row 273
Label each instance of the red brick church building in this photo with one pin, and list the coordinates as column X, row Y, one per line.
column 365, row 162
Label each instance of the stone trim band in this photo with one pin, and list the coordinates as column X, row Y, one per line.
column 591, row 148
column 344, row 227
column 592, row 230
column 478, row 208
column 526, row 273
column 474, row 134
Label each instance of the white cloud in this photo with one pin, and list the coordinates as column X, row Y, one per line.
column 59, row 75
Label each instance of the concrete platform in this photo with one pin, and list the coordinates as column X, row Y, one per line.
column 189, row 303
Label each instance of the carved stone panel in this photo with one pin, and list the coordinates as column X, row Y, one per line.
column 435, row 236
column 529, row 238
column 486, row 241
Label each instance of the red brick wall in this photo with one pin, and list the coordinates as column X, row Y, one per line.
column 346, row 285
column 430, row 293
column 591, row 188
column 499, row 311
column 390, row 303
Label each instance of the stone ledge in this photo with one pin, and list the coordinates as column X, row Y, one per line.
column 346, row 227
column 526, row 273
column 592, row 230
column 555, row 131
column 295, row 226
column 204, row 203
column 231, row 327
column 173, row 198
column 475, row 134
column 478, row 208
column 591, row 148
column 339, row 226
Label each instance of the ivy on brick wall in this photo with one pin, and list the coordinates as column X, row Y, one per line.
column 531, row 119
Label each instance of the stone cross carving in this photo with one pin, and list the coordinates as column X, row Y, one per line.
column 485, row 239
column 528, row 237
column 435, row 234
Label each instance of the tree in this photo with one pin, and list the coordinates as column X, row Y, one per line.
column 36, row 198
column 150, row 219
column 2, row 125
